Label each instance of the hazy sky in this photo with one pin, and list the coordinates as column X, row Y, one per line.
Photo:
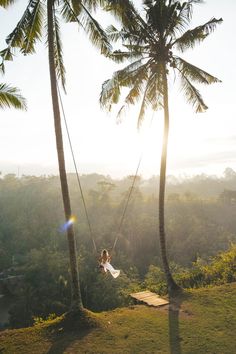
column 199, row 143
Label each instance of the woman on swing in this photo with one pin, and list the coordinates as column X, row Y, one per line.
column 104, row 262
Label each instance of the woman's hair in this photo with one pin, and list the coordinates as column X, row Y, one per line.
column 104, row 252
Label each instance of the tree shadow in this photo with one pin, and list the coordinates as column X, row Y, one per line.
column 174, row 313
column 61, row 342
column 74, row 326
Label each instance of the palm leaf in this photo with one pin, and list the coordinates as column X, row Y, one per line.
column 153, row 95
column 6, row 54
column 33, row 31
column 123, row 78
column 96, row 34
column 191, row 37
column 70, row 12
column 194, row 73
column 17, row 36
column 180, row 16
column 58, row 55
column 135, row 94
column 77, row 12
column 114, row 34
column 119, row 56
column 155, row 87
column 145, row 103
column 126, row 77
column 124, row 11
column 2, row 68
column 27, row 31
column 110, row 93
column 192, row 95
column 11, row 97
column 6, row 3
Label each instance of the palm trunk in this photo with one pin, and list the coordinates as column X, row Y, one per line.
column 172, row 286
column 76, row 301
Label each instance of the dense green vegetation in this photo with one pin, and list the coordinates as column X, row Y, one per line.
column 199, row 321
column 199, row 226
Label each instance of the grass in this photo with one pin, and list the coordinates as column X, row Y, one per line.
column 197, row 322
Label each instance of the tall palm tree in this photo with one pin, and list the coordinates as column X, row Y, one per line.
column 153, row 45
column 26, row 34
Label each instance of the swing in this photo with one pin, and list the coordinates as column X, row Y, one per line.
column 104, row 259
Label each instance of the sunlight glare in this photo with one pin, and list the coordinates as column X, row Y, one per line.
column 67, row 224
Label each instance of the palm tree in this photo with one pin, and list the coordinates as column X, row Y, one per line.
column 26, row 34
column 11, row 97
column 149, row 45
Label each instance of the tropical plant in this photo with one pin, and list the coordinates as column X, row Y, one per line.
column 28, row 31
column 11, row 97
column 149, row 45
column 6, row 3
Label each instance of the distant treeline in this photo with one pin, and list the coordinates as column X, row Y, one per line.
column 200, row 222
column 31, row 216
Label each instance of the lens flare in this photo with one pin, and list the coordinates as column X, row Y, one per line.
column 67, row 224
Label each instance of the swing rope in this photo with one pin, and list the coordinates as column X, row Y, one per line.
column 76, row 170
column 80, row 186
column 129, row 196
column 126, row 204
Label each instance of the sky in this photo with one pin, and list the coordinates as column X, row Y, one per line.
column 198, row 143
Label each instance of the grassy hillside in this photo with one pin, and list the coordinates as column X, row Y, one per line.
column 199, row 321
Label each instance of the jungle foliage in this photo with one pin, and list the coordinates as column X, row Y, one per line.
column 200, row 225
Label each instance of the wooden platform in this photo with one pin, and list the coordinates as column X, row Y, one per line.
column 149, row 298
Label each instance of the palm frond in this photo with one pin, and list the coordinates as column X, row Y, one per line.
column 6, row 3
column 155, row 87
column 58, row 56
column 114, row 34
column 194, row 73
column 126, row 77
column 2, row 68
column 119, row 56
column 192, row 95
column 191, row 37
column 144, row 105
column 6, row 54
column 124, row 11
column 137, row 48
column 110, row 92
column 33, row 31
column 136, row 91
column 91, row 5
column 180, row 15
column 158, row 17
column 11, row 97
column 69, row 12
column 96, row 34
column 27, row 31
column 17, row 36
column 153, row 95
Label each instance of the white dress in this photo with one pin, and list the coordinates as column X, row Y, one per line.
column 114, row 272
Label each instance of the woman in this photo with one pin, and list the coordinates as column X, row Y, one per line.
column 105, row 265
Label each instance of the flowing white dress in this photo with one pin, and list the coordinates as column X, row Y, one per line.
column 114, row 272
